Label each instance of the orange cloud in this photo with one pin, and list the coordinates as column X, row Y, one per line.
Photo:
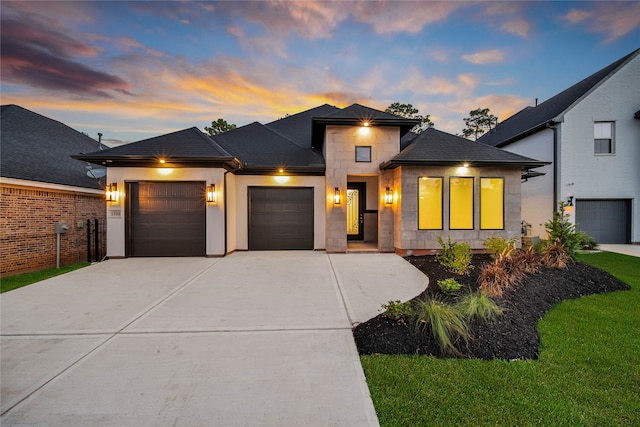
column 485, row 57
column 613, row 20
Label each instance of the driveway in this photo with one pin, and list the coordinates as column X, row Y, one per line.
column 252, row 339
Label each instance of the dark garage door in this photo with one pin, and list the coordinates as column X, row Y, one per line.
column 280, row 218
column 166, row 219
column 608, row 221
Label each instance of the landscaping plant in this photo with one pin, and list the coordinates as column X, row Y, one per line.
column 449, row 286
column 398, row 310
column 498, row 245
column 455, row 257
column 504, row 272
column 528, row 260
column 445, row 322
column 586, row 242
column 478, row 305
column 555, row 255
column 562, row 232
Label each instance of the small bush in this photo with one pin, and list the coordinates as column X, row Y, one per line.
column 556, row 256
column 478, row 305
column 398, row 310
column 446, row 323
column 562, row 232
column 528, row 260
column 586, row 242
column 498, row 245
column 455, row 257
column 499, row 275
column 449, row 286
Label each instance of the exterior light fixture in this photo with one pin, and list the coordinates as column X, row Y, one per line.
column 388, row 196
column 111, row 193
column 465, row 165
column 570, row 201
column 336, row 196
column 162, row 161
column 281, row 170
column 212, row 197
column 365, row 123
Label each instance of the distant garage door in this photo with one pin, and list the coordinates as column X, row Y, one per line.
column 166, row 219
column 280, row 218
column 608, row 221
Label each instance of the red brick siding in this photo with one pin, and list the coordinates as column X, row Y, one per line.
column 27, row 227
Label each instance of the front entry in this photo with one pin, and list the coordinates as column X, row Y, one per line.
column 356, row 203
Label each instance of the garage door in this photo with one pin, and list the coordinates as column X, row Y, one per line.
column 166, row 219
column 280, row 218
column 608, row 221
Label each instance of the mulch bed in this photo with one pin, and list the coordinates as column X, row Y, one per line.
column 511, row 336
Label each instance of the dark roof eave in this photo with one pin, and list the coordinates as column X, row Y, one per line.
column 288, row 170
column 146, row 161
column 528, row 132
column 372, row 121
column 392, row 164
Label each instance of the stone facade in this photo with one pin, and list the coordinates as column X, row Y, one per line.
column 409, row 239
column 27, row 226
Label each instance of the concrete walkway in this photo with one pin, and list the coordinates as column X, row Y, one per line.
column 252, row 339
column 633, row 250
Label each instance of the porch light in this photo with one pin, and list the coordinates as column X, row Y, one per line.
column 365, row 123
column 570, row 201
column 111, row 193
column 465, row 165
column 212, row 197
column 388, row 196
column 163, row 161
column 336, row 196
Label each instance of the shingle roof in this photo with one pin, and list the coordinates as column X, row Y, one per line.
column 187, row 145
column 37, row 148
column 261, row 147
column 297, row 127
column 532, row 119
column 434, row 147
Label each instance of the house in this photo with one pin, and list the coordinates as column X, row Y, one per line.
column 41, row 186
column 590, row 135
column 324, row 179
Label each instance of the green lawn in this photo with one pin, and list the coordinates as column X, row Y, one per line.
column 588, row 373
column 15, row 282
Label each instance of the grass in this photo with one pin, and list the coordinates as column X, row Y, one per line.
column 588, row 373
column 15, row 282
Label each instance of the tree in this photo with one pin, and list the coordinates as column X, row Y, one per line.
column 479, row 121
column 408, row 111
column 219, row 126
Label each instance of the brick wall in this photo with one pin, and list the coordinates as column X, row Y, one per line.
column 27, row 227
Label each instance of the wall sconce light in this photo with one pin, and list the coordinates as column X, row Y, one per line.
column 111, row 193
column 336, row 196
column 570, row 201
column 212, row 196
column 366, row 123
column 388, row 196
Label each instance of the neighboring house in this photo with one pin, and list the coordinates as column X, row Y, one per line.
column 42, row 185
column 590, row 133
column 320, row 179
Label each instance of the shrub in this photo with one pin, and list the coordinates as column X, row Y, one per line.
column 455, row 257
column 499, row 275
column 398, row 310
column 528, row 260
column 449, row 286
column 562, row 232
column 498, row 245
column 478, row 305
column 446, row 323
column 556, row 256
column 586, row 242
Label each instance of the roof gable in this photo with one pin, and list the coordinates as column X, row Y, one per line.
column 297, row 127
column 532, row 119
column 37, row 148
column 434, row 147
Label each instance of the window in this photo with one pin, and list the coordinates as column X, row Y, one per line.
column 363, row 153
column 492, row 203
column 461, row 203
column 429, row 203
column 603, row 137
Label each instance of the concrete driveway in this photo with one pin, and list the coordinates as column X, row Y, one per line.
column 252, row 339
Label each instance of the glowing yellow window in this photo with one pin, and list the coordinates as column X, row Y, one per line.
column 492, row 203
column 429, row 203
column 461, row 203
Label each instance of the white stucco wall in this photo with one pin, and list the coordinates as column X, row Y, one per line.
column 537, row 193
column 240, row 209
column 586, row 175
column 116, row 211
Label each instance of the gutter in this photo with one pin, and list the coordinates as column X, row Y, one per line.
column 554, row 126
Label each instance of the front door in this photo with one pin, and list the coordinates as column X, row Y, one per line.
column 356, row 202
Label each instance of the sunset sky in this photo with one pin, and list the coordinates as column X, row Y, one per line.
column 133, row 70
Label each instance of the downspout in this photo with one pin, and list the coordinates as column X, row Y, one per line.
column 554, row 126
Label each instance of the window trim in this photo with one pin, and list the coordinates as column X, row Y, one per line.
column 361, row 149
column 441, row 178
column 503, row 201
column 473, row 202
column 612, row 139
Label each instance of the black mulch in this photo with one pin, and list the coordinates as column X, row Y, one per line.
column 512, row 336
